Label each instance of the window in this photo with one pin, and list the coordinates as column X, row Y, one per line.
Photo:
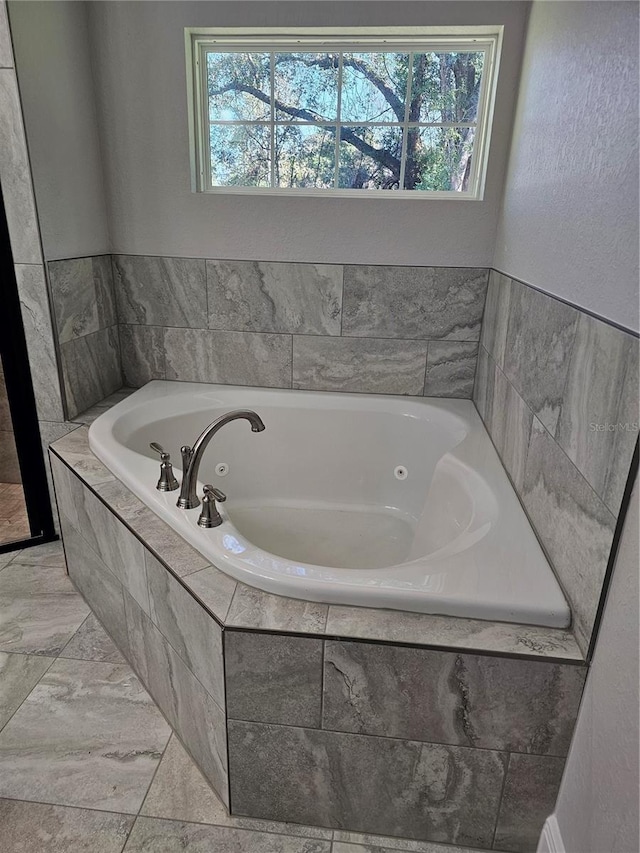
column 344, row 114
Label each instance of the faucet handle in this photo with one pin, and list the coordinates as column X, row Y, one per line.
column 209, row 516
column 167, row 481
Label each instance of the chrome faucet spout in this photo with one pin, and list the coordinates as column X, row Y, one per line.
column 192, row 456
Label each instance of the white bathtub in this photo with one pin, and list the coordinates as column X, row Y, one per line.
column 317, row 508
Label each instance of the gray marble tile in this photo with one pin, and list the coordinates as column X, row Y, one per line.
column 574, row 526
column 91, row 642
column 90, row 368
column 529, row 797
column 368, row 366
column 187, row 626
column 161, row 540
column 466, row 700
column 451, row 369
column 38, row 331
column 495, row 321
column 43, row 828
column 19, row 674
column 72, row 761
column 539, row 341
column 40, row 609
column 114, row 544
column 82, row 293
column 253, row 296
column 6, row 558
column 469, row 634
column 443, row 303
column 15, row 174
column 180, row 792
column 231, row 358
column 382, row 785
column 193, row 714
column 73, row 448
column 50, row 554
column 213, row 588
column 6, row 50
column 600, row 398
column 484, row 385
column 161, row 291
column 273, row 679
column 142, row 354
column 89, row 415
column 355, row 842
column 253, row 608
column 168, row 836
column 507, row 417
column 97, row 585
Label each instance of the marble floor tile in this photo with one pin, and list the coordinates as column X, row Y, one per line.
column 88, row 735
column 168, row 836
column 41, row 828
column 180, row 792
column 6, row 558
column 49, row 554
column 354, row 842
column 19, row 674
column 91, row 642
column 39, row 609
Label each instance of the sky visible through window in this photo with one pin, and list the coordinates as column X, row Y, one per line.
column 370, row 120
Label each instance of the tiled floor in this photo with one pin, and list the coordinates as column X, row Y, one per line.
column 87, row 762
column 14, row 522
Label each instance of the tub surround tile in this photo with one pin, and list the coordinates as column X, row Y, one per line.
column 72, row 762
column 160, row 291
column 529, row 797
column 440, row 697
column 537, row 350
column 573, row 524
column 451, row 369
column 466, row 634
column 82, row 292
column 36, row 318
column 495, row 322
column 142, row 354
column 97, row 585
column 214, row 589
column 253, row 608
column 89, row 415
column 15, row 174
column 417, row 790
column 364, row 366
column 273, row 679
column 230, row 358
column 191, row 631
column 180, row 792
column 19, row 674
column 601, row 391
column 91, row 642
column 73, row 449
column 441, row 303
column 190, row 710
column 253, row 296
column 6, row 48
column 41, row 610
column 91, row 368
column 168, row 836
column 53, row 829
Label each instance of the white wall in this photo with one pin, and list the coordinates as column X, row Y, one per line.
column 56, row 87
column 569, row 223
column 141, row 93
column 597, row 809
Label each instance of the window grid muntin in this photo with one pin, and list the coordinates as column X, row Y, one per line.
column 488, row 45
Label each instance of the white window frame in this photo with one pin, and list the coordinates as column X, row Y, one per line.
column 198, row 41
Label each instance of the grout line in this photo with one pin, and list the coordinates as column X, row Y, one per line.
column 499, row 809
column 155, row 772
column 54, row 660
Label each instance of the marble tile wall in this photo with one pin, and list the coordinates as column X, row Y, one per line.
column 85, row 311
column 395, row 740
column 558, row 392
column 174, row 646
column 389, row 330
